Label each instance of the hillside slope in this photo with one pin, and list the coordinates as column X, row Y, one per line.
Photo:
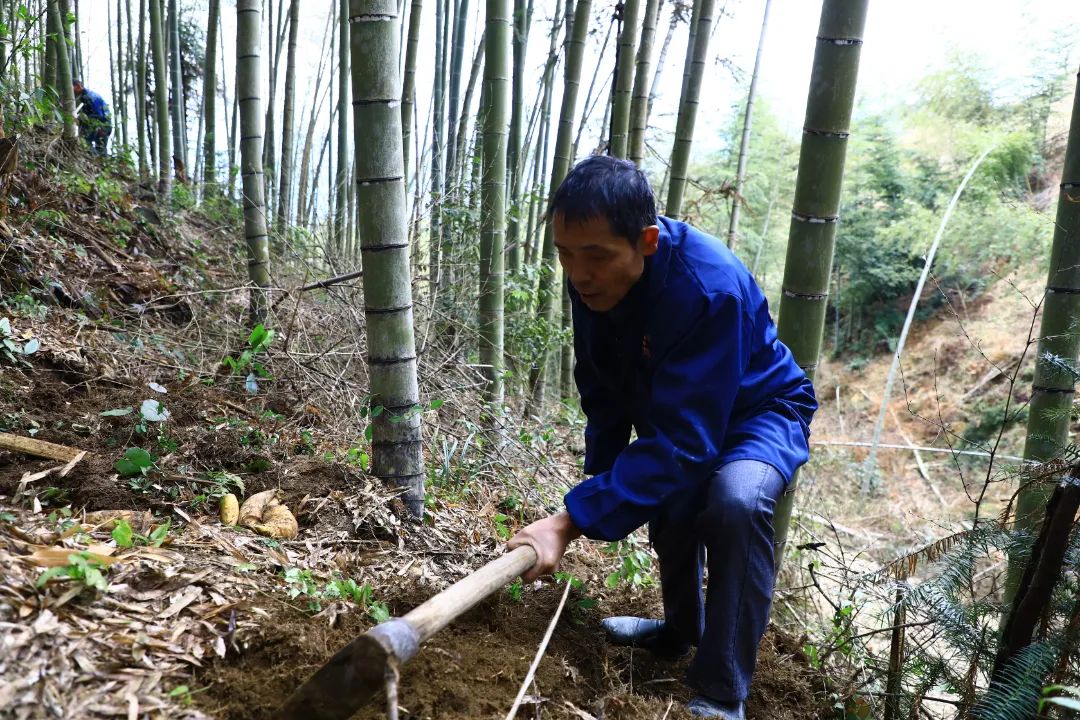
column 126, row 596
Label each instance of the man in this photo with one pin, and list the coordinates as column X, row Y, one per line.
column 95, row 123
column 674, row 338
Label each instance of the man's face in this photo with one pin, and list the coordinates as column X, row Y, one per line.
column 77, row 88
column 601, row 266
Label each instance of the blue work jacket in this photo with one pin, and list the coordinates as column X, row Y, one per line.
column 691, row 360
column 94, row 105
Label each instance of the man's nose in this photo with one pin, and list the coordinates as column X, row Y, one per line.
column 579, row 274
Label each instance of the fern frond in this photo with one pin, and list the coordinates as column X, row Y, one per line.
column 1069, row 452
column 1014, row 694
column 958, row 625
column 1064, row 367
column 904, row 566
column 985, row 535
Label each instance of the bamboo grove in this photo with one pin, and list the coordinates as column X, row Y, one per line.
column 182, row 119
column 435, row 196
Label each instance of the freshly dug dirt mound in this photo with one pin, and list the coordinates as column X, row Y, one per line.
column 474, row 668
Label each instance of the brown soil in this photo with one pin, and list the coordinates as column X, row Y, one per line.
column 208, row 432
column 474, row 668
column 471, row 670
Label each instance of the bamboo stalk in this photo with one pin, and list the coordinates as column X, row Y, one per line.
column 894, row 676
column 161, row 101
column 285, row 181
column 744, row 142
column 63, row 72
column 37, row 448
column 209, row 154
column 408, row 87
column 383, row 242
column 697, row 54
column 639, row 104
column 248, row 84
column 624, row 79
column 1044, row 569
column 816, row 210
column 549, row 288
column 496, row 118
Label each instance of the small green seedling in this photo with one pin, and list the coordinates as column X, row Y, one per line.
column 258, row 342
column 125, row 537
column 10, row 347
column 81, row 568
column 516, row 590
column 136, row 462
column 636, row 565
column 182, row 693
column 303, row 583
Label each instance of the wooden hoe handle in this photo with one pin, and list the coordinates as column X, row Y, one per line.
column 440, row 610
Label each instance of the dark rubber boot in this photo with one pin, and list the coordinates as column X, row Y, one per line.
column 705, row 707
column 644, row 633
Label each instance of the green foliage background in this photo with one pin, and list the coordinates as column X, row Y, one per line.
column 904, row 163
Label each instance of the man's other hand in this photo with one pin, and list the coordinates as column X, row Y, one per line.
column 549, row 538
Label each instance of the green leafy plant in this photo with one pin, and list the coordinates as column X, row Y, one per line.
column 456, row 462
column 501, row 527
column 516, row 590
column 358, row 457
column 61, row 518
column 136, row 462
column 26, row 305
column 584, row 602
column 55, row 496
column 125, row 537
column 378, row 611
column 258, row 343
column 303, row 583
column 11, row 348
column 82, row 568
column 223, row 483
column 167, row 443
column 183, row 694
column 635, row 566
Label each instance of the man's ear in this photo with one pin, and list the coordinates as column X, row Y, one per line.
column 649, row 240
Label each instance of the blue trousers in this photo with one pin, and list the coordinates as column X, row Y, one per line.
column 729, row 521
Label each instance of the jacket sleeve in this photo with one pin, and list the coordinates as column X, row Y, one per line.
column 693, row 390
column 607, row 427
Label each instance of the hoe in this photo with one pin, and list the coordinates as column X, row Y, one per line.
column 357, row 671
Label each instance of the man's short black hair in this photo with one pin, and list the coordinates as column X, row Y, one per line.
column 603, row 186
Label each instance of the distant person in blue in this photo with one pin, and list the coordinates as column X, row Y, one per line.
column 673, row 338
column 95, row 122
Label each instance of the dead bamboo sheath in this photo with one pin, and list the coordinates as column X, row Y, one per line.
column 38, row 448
column 357, row 671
